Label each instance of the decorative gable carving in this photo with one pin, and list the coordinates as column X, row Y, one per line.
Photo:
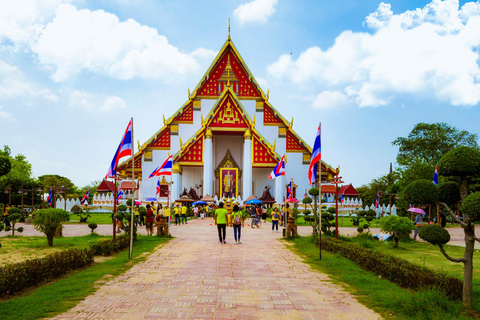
column 186, row 116
column 294, row 145
column 228, row 115
column 192, row 155
column 269, row 117
column 228, row 70
column 162, row 142
column 262, row 156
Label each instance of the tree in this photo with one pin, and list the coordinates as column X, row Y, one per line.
column 14, row 215
column 397, row 227
column 5, row 165
column 464, row 164
column 428, row 142
column 48, row 220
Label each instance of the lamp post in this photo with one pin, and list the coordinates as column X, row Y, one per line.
column 9, row 191
column 22, row 192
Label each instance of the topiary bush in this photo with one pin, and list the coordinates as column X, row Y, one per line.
column 461, row 161
column 420, row 191
column 471, row 206
column 449, row 192
column 92, row 226
column 434, row 234
column 48, row 220
column 14, row 216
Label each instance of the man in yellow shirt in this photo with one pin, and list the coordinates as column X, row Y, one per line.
column 184, row 213
column 177, row 212
column 221, row 222
column 275, row 219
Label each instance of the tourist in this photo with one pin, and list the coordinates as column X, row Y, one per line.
column 253, row 215
column 264, row 213
column 137, row 216
column 237, row 217
column 163, row 212
column 259, row 212
column 177, row 212
column 6, row 222
column 149, row 218
column 221, row 222
column 418, row 223
column 202, row 212
column 142, row 218
column 152, row 206
column 195, row 212
column 184, row 213
column 443, row 218
column 275, row 219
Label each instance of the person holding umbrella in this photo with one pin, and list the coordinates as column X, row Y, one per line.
column 418, row 223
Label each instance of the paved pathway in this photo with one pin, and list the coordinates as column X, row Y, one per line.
column 195, row 277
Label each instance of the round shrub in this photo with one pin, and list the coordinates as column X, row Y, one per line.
column 420, row 191
column 142, row 211
column 122, row 208
column 471, row 205
column 313, row 192
column 76, row 209
column 307, row 200
column 119, row 215
column 331, row 210
column 461, row 161
column 434, row 234
column 20, row 229
column 92, row 226
column 448, row 192
column 366, row 226
column 368, row 218
column 14, row 210
column 360, row 229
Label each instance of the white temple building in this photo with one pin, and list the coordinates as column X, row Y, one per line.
column 225, row 140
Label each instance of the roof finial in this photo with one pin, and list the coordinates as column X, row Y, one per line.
column 228, row 29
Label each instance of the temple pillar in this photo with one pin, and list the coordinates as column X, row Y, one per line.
column 207, row 163
column 247, row 165
column 279, row 189
column 176, row 187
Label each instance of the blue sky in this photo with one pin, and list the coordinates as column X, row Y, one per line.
column 72, row 73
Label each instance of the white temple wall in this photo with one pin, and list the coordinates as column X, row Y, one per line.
column 221, row 143
column 260, row 180
column 192, row 176
column 298, row 171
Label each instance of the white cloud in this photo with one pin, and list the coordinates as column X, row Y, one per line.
column 13, row 83
column 430, row 51
column 255, row 11
column 263, row 83
column 6, row 116
column 94, row 102
column 330, row 100
column 97, row 41
column 22, row 21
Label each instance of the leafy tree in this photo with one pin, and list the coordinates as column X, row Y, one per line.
column 428, row 142
column 397, row 227
column 5, row 165
column 420, row 192
column 462, row 163
column 20, row 175
column 92, row 226
column 48, row 220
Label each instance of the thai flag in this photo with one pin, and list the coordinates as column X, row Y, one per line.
column 164, row 170
column 85, row 196
column 377, row 202
column 50, row 197
column 435, row 176
column 158, row 188
column 316, row 157
column 279, row 169
column 119, row 195
column 290, row 190
column 124, row 149
column 343, row 199
column 410, row 206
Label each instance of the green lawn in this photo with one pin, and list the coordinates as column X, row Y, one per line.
column 18, row 249
column 61, row 295
column 386, row 298
column 98, row 218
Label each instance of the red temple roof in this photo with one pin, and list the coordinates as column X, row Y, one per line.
column 106, row 186
column 348, row 190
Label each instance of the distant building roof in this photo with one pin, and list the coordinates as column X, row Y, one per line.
column 106, row 186
column 328, row 188
column 348, row 190
column 127, row 185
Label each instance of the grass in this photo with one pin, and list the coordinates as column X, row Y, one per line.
column 386, row 298
column 61, row 295
column 16, row 249
column 98, row 218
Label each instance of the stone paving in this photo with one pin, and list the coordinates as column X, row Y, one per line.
column 195, row 277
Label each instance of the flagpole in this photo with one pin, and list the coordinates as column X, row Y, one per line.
column 319, row 184
column 132, row 213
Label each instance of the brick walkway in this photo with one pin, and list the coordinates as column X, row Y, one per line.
column 195, row 277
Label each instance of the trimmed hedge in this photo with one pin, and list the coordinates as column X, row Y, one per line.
column 394, row 269
column 107, row 247
column 19, row 276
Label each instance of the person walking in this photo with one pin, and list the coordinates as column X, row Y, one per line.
column 149, row 218
column 137, row 216
column 177, row 212
column 264, row 213
column 237, row 217
column 184, row 214
column 253, row 215
column 443, row 218
column 221, row 222
column 195, row 212
column 418, row 223
column 275, row 219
